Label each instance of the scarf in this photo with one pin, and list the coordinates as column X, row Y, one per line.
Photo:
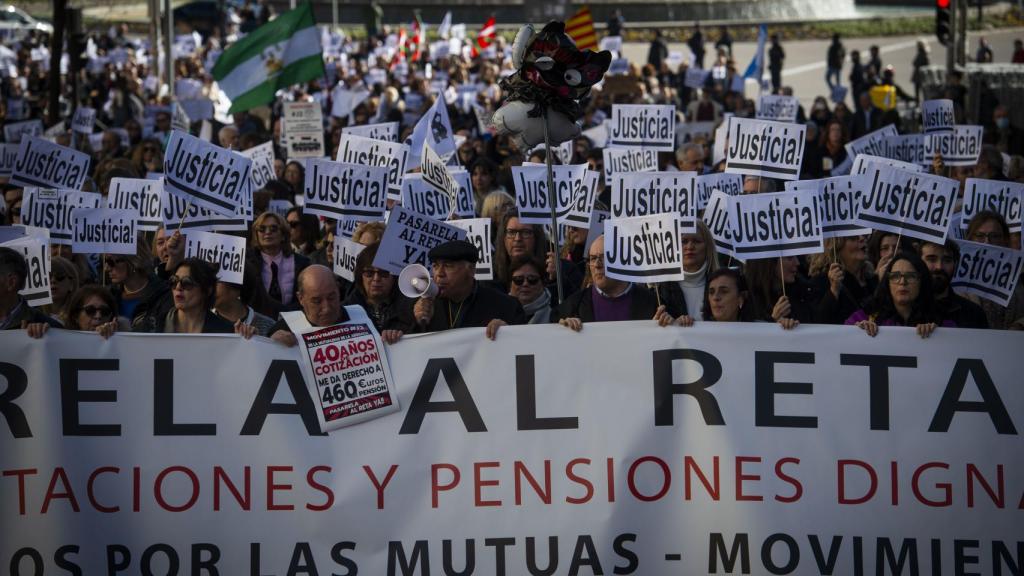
column 542, row 302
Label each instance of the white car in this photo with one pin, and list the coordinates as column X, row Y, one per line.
column 16, row 24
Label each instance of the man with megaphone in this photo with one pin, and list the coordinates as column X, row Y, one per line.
column 450, row 297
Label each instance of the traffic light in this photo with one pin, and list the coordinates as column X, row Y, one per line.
column 943, row 30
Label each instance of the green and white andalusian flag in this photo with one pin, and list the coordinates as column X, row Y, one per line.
column 282, row 52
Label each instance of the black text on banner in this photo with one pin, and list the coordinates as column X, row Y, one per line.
column 139, row 194
column 104, row 231
column 408, row 237
column 211, row 176
column 764, row 148
column 51, row 209
column 937, row 116
column 914, row 204
column 643, row 248
column 575, row 188
column 999, row 196
column 647, row 193
column 961, row 147
column 225, row 252
column 47, row 165
column 776, row 224
column 341, row 190
column 643, row 126
column 991, row 272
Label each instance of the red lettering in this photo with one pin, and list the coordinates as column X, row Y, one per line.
column 521, row 471
column 20, row 474
column 136, row 489
column 741, row 478
column 380, row 486
column 274, row 487
column 244, row 501
column 997, row 496
column 319, row 487
column 58, row 473
column 609, row 466
column 944, row 487
column 436, row 488
column 581, row 481
column 798, row 489
column 689, row 464
column 842, row 464
column 666, row 479
column 894, row 482
column 479, row 483
column 158, row 488
column 91, row 494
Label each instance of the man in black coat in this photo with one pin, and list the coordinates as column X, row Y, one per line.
column 461, row 301
column 15, row 311
column 942, row 261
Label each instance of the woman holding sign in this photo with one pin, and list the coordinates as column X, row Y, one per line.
column 904, row 298
column 685, row 299
column 988, row 227
column 779, row 293
column 843, row 278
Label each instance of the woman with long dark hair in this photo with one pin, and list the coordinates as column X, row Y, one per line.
column 726, row 297
column 904, row 298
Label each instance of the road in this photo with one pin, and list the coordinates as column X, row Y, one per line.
column 804, row 68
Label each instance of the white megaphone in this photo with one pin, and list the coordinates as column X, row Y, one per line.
column 414, row 281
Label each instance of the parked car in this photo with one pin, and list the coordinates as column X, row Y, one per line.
column 15, row 23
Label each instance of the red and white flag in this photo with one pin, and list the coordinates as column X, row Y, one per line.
column 485, row 37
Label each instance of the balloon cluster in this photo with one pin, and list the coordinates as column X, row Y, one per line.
column 551, row 76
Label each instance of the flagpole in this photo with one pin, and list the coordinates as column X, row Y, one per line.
column 551, row 203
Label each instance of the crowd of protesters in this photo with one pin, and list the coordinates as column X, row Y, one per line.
column 871, row 282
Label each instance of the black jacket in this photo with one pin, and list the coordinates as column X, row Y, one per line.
column 483, row 305
column 29, row 315
column 852, row 297
column 961, row 311
column 581, row 304
column 396, row 315
column 261, row 300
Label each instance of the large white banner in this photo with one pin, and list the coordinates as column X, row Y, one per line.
column 721, row 448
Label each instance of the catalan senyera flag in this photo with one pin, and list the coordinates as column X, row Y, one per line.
column 581, row 29
column 485, row 37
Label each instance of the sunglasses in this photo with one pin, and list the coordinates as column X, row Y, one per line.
column 530, row 279
column 370, row 273
column 268, row 229
column 104, row 311
column 186, row 282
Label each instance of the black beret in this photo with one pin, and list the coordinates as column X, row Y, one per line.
column 455, row 250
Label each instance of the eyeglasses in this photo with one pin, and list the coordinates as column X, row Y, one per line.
column 904, row 277
column 111, row 262
column 993, row 237
column 104, row 311
column 268, row 229
column 595, row 260
column 371, row 272
column 530, row 279
column 520, row 232
column 186, row 282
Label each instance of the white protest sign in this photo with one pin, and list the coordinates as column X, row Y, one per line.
column 778, row 108
column 696, row 77
column 618, row 67
column 344, row 101
column 345, row 191
column 611, row 43
column 303, row 123
column 47, row 165
column 644, row 248
column 34, row 244
column 718, row 218
column 776, row 224
column 423, row 198
column 8, row 156
column 865, row 164
column 409, row 236
column 629, row 160
column 647, row 193
column 839, row 201
column 346, row 370
column 104, row 231
column 575, row 189
column 478, row 233
column 51, row 210
column 464, row 202
column 177, row 211
column 345, row 253
column 224, row 251
column 143, row 196
column 909, row 148
column 871, row 143
column 369, row 152
column 180, row 119
column 598, row 135
column 914, row 204
column 989, row 271
column 999, row 196
column 937, row 116
column 704, row 184
column 962, row 147
column 721, row 135
column 643, row 126
column 84, row 120
column 387, row 131
column 434, row 172
column 765, row 148
column 18, row 131
column 196, row 109
column 262, row 157
column 211, row 176
column 434, row 127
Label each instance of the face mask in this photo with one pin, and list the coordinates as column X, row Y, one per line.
column 1002, row 123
